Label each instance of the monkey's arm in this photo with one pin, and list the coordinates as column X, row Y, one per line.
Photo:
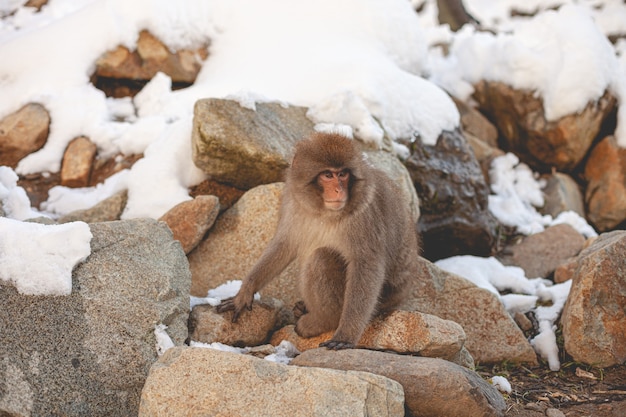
column 276, row 257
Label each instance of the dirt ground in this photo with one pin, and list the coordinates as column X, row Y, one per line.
column 576, row 390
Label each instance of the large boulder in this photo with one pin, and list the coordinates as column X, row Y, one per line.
column 246, row 147
column 89, row 353
column 594, row 317
column 197, row 381
column 432, row 387
column 454, row 218
column 542, row 144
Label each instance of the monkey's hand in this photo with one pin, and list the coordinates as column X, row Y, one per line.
column 235, row 304
column 337, row 345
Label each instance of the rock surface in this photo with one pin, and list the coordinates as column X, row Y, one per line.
column 539, row 255
column 239, row 237
column 107, row 210
column 22, row 133
column 193, row 381
column 78, row 162
column 540, row 143
column 245, row 147
column 594, row 317
column 150, row 57
column 400, row 331
column 252, row 328
column 605, row 195
column 492, row 335
column 453, row 194
column 89, row 353
column 190, row 220
column 561, row 194
column 432, row 387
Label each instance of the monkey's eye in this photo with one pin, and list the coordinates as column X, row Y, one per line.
column 343, row 174
column 328, row 175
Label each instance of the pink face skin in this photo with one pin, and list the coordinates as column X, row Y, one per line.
column 335, row 188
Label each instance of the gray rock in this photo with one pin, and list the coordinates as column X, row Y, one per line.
column 107, row 210
column 455, row 218
column 89, row 353
column 432, row 387
column 195, row 381
column 540, row 254
column 245, row 147
column 561, row 194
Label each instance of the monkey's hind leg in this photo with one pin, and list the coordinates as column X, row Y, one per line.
column 322, row 286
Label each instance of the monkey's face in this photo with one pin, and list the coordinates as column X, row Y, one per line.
column 334, row 185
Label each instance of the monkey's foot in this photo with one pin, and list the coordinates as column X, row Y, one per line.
column 299, row 310
column 337, row 345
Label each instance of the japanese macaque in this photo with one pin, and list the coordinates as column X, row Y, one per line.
column 350, row 229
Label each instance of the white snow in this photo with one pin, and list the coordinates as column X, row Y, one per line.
column 38, row 259
column 501, row 383
column 284, row 353
column 217, row 294
column 517, row 195
column 163, row 340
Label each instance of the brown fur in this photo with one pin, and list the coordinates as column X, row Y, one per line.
column 355, row 262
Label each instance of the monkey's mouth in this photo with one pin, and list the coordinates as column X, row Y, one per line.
column 334, row 204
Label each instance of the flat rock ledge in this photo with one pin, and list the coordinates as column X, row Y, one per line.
column 198, row 381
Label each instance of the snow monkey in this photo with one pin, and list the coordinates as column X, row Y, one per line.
column 350, row 229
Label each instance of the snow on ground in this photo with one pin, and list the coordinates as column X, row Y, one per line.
column 366, row 66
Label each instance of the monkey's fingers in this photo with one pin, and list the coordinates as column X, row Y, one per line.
column 337, row 345
column 226, row 305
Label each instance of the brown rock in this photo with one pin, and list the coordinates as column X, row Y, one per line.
column 606, row 188
column 151, row 57
column 236, row 242
column 540, row 254
column 252, row 329
column 474, row 123
column 245, row 147
column 190, row 220
column 227, row 194
column 432, row 387
column 22, row 133
column 561, row 194
column 565, row 271
column 492, row 335
column 77, row 162
column 400, row 331
column 540, row 143
column 484, row 153
column 193, row 381
column 594, row 317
